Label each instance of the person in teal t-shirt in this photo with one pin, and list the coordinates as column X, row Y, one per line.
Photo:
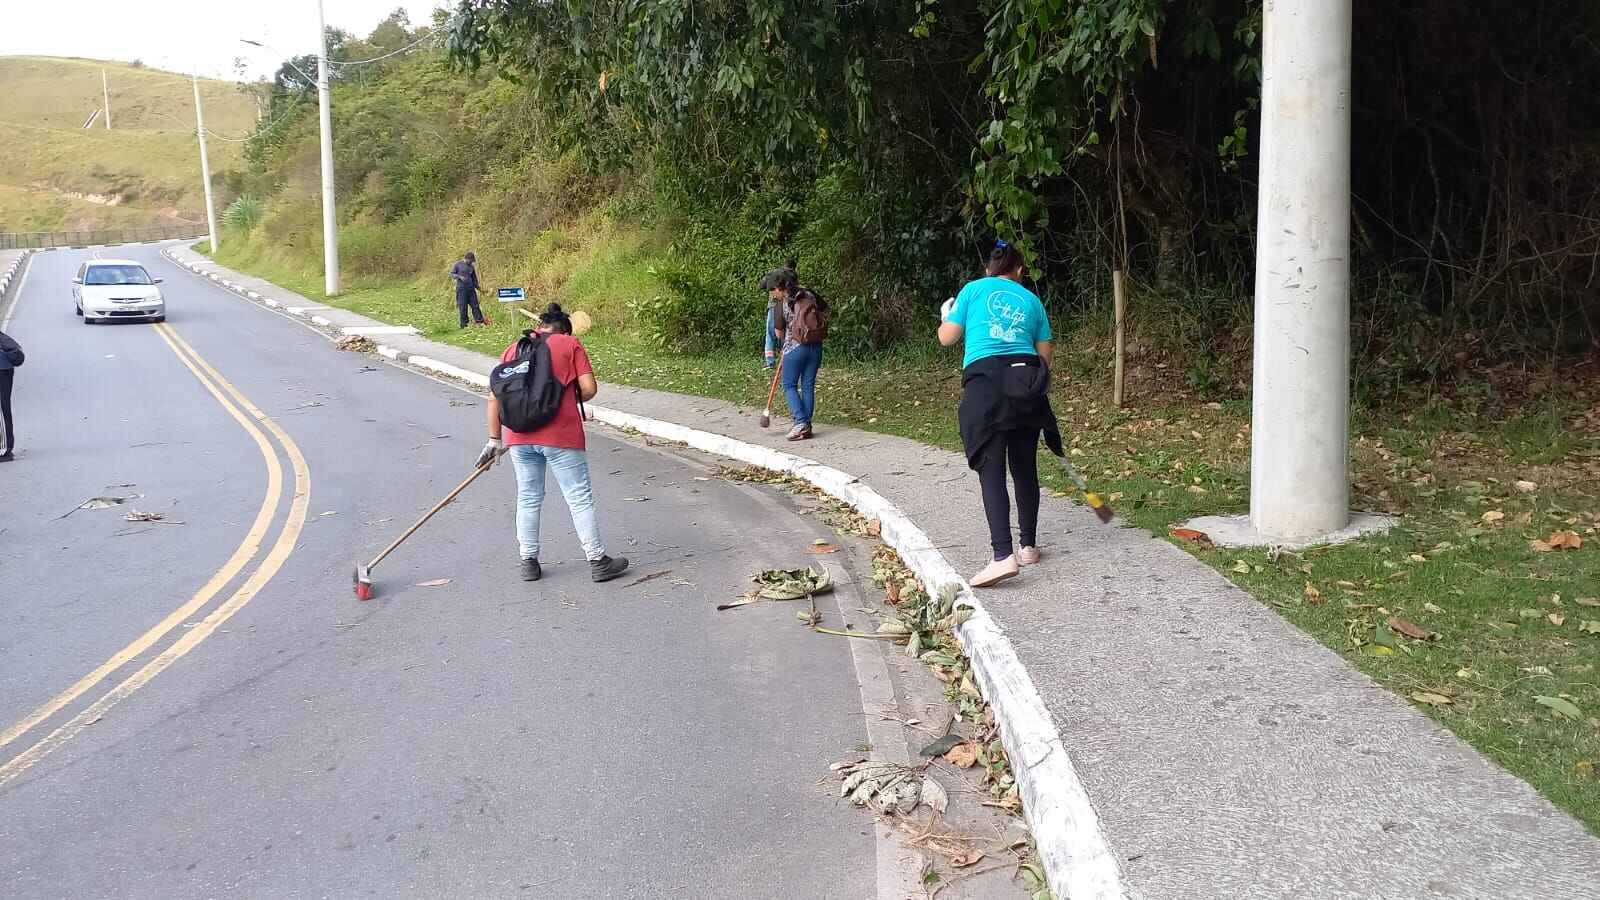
column 998, row 316
column 1004, row 406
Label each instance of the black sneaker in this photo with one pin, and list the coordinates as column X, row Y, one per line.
column 531, row 570
column 605, row 568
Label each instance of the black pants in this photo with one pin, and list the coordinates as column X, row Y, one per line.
column 6, row 377
column 1021, row 449
column 464, row 300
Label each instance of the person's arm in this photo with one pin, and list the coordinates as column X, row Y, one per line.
column 952, row 324
column 587, row 385
column 1045, row 349
column 495, row 445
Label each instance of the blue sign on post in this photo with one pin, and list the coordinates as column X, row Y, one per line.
column 509, row 295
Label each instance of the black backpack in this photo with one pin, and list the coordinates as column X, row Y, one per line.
column 529, row 394
column 12, row 350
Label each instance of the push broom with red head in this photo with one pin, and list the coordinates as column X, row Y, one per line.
column 364, row 588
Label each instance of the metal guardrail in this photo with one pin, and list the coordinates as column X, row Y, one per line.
column 42, row 240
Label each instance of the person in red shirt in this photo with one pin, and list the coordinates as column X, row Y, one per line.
column 558, row 446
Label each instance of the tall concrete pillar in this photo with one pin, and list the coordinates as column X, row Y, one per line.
column 1299, row 461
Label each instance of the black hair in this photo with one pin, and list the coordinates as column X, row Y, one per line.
column 1003, row 259
column 554, row 316
column 786, row 278
column 469, row 256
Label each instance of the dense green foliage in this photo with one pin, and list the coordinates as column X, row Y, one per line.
column 886, row 143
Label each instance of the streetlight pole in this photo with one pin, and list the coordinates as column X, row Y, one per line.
column 1300, row 443
column 330, row 225
column 205, row 165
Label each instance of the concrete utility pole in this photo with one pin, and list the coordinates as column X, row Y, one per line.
column 105, row 91
column 205, row 165
column 330, row 233
column 1300, row 446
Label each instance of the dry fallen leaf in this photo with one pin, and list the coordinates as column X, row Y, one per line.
column 1565, row 540
column 437, row 582
column 1313, row 595
column 820, row 549
column 1589, row 626
column 1556, row 619
column 1199, row 538
column 1409, row 629
column 1587, row 601
column 964, row 755
column 1492, row 516
column 1240, row 566
column 1527, row 487
column 1430, row 698
column 1433, row 608
column 963, row 860
column 1539, row 547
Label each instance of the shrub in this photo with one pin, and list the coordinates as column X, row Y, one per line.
column 693, row 316
column 243, row 214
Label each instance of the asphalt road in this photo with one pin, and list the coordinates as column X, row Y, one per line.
column 484, row 738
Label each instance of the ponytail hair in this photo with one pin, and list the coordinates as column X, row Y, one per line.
column 556, row 319
column 1004, row 259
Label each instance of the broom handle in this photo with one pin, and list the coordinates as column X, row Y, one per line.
column 429, row 514
column 773, row 391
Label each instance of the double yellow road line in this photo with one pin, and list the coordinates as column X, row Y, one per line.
column 253, row 421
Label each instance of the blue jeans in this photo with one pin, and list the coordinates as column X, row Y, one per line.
column 571, row 468
column 800, row 367
column 772, row 337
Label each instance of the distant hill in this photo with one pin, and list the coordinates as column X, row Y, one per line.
column 144, row 171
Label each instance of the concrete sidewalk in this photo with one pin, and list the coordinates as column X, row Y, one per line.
column 1222, row 751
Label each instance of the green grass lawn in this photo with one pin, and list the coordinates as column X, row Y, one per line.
column 1477, row 469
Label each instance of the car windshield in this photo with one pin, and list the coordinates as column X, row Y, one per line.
column 116, row 275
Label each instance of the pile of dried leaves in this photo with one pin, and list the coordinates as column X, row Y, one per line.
column 889, row 788
column 929, row 625
column 785, row 584
column 355, row 343
column 839, row 516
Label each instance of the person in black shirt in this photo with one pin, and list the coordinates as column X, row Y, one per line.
column 465, row 275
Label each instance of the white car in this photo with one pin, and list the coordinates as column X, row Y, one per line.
column 110, row 289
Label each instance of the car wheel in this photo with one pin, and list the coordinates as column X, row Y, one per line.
column 160, row 318
column 77, row 310
column 88, row 321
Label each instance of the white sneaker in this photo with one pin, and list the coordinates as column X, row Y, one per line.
column 1028, row 556
column 996, row 571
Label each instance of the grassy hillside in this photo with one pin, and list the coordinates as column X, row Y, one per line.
column 145, row 171
column 60, row 93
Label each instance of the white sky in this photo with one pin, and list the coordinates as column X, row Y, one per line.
column 183, row 35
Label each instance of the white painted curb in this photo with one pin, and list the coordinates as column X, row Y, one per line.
column 1078, row 861
column 11, row 272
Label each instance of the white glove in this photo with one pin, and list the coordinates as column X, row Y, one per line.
column 491, row 452
column 948, row 308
